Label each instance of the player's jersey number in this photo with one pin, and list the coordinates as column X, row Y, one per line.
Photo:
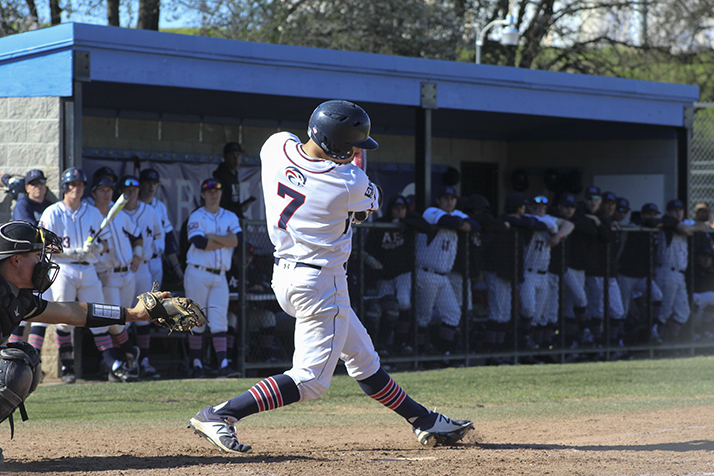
column 297, row 201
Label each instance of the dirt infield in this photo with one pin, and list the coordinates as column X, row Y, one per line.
column 676, row 441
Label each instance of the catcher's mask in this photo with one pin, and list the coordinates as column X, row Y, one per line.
column 337, row 126
column 19, row 237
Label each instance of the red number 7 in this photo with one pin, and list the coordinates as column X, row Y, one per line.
column 297, row 200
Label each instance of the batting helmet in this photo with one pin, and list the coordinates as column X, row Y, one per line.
column 72, row 174
column 337, row 126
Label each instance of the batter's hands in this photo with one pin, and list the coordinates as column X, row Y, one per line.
column 92, row 247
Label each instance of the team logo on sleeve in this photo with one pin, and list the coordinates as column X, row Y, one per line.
column 192, row 225
column 369, row 193
column 295, row 177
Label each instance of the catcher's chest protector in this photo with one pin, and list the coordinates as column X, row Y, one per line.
column 20, row 374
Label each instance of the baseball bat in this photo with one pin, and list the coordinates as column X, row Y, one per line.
column 113, row 212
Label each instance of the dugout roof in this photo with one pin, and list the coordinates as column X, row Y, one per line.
column 145, row 73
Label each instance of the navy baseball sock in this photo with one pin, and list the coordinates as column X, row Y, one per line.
column 386, row 391
column 269, row 394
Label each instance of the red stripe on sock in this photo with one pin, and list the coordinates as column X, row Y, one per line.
column 256, row 397
column 276, row 390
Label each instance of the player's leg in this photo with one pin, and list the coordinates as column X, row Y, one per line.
column 194, row 282
column 218, row 305
column 143, row 328
column 448, row 306
column 529, row 291
column 403, row 285
column 428, row 285
column 64, row 289
column 667, row 281
column 680, row 310
column 156, row 270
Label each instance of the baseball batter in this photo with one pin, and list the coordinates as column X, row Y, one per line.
column 145, row 219
column 213, row 233
column 313, row 193
column 74, row 221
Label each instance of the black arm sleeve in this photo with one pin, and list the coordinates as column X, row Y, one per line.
column 450, row 221
column 170, row 243
column 199, row 242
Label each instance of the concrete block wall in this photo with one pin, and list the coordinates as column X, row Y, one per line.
column 29, row 139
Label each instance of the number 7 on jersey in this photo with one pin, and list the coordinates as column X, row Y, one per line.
column 297, row 201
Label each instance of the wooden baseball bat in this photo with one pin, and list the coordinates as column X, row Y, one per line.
column 113, row 212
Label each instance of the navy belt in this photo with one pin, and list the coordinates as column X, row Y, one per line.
column 301, row 265
column 82, row 263
column 432, row 271
column 123, row 269
column 210, row 270
column 531, row 270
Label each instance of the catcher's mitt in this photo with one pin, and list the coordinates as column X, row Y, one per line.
column 173, row 313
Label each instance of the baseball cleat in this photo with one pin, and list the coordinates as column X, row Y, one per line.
column 436, row 429
column 218, row 430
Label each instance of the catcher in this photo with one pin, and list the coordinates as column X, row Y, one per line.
column 27, row 271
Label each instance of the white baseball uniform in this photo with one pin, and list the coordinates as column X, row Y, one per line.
column 114, row 267
column 312, row 245
column 435, row 259
column 205, row 278
column 77, row 279
column 673, row 261
column 155, row 263
column 148, row 223
column 536, row 260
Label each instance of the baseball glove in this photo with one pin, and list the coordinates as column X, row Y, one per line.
column 173, row 313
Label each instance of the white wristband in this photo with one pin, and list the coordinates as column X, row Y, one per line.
column 138, row 251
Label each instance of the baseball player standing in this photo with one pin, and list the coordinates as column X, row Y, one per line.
column 29, row 208
column 148, row 223
column 435, row 259
column 149, row 182
column 213, row 233
column 672, row 264
column 74, row 221
column 115, row 269
column 313, row 193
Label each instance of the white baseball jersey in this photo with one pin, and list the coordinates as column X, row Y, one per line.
column 201, row 223
column 119, row 253
column 73, row 227
column 439, row 254
column 673, row 254
column 536, row 256
column 148, row 222
column 166, row 227
column 297, row 190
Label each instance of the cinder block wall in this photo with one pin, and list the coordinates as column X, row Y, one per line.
column 29, row 139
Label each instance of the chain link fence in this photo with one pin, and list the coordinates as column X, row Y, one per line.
column 701, row 175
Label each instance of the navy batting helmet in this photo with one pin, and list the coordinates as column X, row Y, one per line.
column 72, row 174
column 337, row 126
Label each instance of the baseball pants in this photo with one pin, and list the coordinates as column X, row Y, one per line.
column 575, row 295
column 675, row 301
column 118, row 289
column 401, row 287
column 632, row 288
column 457, row 282
column 435, row 291
column 76, row 282
column 326, row 327
column 499, row 298
column 552, row 300
column 156, row 269
column 210, row 291
column 595, row 288
column 142, row 277
column 534, row 291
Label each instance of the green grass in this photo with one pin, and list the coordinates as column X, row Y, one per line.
column 479, row 393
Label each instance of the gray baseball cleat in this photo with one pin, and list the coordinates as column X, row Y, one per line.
column 218, row 430
column 436, row 429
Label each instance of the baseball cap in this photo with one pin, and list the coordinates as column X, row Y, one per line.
column 210, row 184
column 149, row 175
column 102, row 182
column 594, row 190
column 447, row 191
column 609, row 197
column 127, row 181
column 623, row 205
column 105, row 172
column 400, row 201
column 649, row 207
column 478, row 202
column 514, row 201
column 676, row 203
column 35, row 174
column 232, row 147
column 567, row 200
